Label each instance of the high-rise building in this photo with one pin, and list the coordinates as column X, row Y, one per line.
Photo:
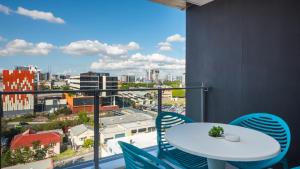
column 18, row 80
column 131, row 78
column 178, row 78
column 127, row 78
column 123, row 78
column 152, row 75
column 183, row 79
column 93, row 80
column 169, row 78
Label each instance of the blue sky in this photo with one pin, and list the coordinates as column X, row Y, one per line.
column 116, row 36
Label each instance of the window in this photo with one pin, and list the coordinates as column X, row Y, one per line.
column 105, row 140
column 82, row 139
column 142, row 130
column 150, row 129
column 120, row 135
column 133, row 132
column 51, row 144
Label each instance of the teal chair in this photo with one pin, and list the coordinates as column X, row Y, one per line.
column 164, row 121
column 296, row 167
column 271, row 125
column 136, row 158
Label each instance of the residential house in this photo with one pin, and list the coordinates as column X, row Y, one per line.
column 78, row 134
column 46, row 139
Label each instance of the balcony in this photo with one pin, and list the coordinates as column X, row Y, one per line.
column 132, row 125
column 247, row 52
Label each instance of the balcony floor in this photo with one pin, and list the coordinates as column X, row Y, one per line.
column 113, row 162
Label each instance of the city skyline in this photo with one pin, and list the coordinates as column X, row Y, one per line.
column 125, row 42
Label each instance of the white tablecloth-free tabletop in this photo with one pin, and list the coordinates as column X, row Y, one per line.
column 194, row 139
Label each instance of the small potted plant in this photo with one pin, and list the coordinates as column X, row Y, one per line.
column 216, row 131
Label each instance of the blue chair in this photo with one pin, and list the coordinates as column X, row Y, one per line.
column 271, row 125
column 164, row 121
column 136, row 158
column 296, row 167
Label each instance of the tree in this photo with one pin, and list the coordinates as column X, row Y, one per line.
column 39, row 153
column 24, row 155
column 8, row 159
column 83, row 118
column 65, row 111
column 65, row 87
column 27, row 154
column 18, row 156
column 88, row 143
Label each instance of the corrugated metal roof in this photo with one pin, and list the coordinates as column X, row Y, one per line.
column 77, row 130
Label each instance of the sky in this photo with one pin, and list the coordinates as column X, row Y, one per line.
column 115, row 36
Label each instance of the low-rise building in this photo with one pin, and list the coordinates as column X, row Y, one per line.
column 50, row 102
column 86, row 104
column 125, row 125
column 78, row 134
column 167, row 94
column 140, row 140
column 46, row 139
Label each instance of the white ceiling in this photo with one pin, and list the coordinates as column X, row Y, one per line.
column 182, row 4
column 199, row 2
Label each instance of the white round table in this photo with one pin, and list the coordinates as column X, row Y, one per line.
column 194, row 139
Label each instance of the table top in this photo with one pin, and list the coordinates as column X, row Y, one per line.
column 194, row 139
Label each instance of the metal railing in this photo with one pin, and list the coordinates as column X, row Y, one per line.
column 96, row 94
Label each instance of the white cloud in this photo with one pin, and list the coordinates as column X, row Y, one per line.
column 164, row 46
column 133, row 46
column 139, row 61
column 22, row 47
column 4, row 9
column 40, row 15
column 175, row 38
column 89, row 47
column 167, row 44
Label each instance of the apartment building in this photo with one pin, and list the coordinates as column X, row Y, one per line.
column 93, row 80
column 18, row 80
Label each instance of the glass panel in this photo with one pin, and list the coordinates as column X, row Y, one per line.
column 133, row 121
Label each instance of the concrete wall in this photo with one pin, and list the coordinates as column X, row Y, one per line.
column 248, row 51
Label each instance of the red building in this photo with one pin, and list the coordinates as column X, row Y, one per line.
column 49, row 139
column 85, row 104
column 18, row 80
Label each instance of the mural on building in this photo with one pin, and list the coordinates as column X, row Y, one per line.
column 18, row 80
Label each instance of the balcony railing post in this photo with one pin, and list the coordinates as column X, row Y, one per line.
column 96, row 129
column 159, row 100
column 1, row 106
column 203, row 90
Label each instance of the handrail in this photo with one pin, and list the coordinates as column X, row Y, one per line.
column 97, row 90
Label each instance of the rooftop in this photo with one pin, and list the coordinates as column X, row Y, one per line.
column 128, row 118
column 27, row 138
column 77, row 130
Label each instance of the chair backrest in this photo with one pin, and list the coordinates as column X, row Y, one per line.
column 271, row 125
column 164, row 121
column 136, row 158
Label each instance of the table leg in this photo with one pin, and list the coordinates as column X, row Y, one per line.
column 215, row 164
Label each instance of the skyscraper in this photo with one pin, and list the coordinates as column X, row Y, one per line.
column 152, row 75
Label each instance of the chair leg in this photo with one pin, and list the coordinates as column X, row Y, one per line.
column 284, row 163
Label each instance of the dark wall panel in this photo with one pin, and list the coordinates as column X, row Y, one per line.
column 249, row 53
